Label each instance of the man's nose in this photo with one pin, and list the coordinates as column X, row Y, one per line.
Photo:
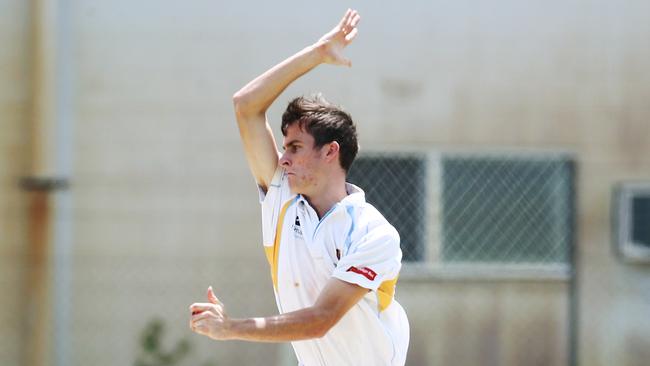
column 284, row 161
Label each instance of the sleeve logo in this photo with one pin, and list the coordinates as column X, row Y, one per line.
column 365, row 271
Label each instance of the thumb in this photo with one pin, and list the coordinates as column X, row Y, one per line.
column 345, row 62
column 211, row 296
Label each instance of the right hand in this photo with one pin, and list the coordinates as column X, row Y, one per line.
column 210, row 319
column 333, row 43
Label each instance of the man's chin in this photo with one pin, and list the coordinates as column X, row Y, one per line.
column 293, row 187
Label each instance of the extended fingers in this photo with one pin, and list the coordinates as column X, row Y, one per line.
column 345, row 18
column 355, row 19
column 350, row 36
column 349, row 21
column 350, row 29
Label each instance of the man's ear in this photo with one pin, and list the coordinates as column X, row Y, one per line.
column 332, row 151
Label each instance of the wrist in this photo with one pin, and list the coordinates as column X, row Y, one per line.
column 318, row 51
column 232, row 327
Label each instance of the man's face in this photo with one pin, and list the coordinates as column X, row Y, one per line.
column 301, row 161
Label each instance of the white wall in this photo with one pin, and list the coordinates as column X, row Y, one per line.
column 164, row 204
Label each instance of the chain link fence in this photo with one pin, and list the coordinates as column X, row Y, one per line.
column 474, row 207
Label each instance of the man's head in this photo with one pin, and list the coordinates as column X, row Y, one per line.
column 319, row 138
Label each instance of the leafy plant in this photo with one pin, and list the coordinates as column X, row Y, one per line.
column 151, row 352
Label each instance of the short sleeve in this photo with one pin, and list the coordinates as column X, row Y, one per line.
column 277, row 187
column 271, row 201
column 373, row 258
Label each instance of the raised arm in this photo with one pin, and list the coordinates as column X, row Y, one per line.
column 254, row 99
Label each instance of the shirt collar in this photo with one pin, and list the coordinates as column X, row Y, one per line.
column 355, row 195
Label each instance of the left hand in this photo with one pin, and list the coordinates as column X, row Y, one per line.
column 340, row 37
column 210, row 319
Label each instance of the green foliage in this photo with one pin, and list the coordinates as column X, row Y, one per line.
column 151, row 352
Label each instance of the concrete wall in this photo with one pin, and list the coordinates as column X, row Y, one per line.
column 477, row 322
column 164, row 206
column 163, row 201
column 14, row 163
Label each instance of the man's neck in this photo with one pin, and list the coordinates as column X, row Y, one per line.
column 333, row 193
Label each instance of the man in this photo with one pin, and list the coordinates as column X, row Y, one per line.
column 334, row 258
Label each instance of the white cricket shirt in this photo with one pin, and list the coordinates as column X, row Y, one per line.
column 352, row 242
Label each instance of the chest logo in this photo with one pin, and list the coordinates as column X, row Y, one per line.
column 297, row 230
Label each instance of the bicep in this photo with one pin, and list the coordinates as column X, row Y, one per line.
column 338, row 297
column 260, row 148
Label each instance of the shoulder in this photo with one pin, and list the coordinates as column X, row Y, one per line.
column 368, row 221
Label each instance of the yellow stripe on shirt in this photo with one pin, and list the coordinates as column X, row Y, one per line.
column 272, row 251
column 385, row 293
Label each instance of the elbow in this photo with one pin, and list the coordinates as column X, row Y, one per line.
column 239, row 103
column 245, row 109
column 319, row 332
column 238, row 98
column 324, row 321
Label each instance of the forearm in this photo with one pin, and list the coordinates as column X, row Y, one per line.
column 303, row 324
column 334, row 301
column 258, row 95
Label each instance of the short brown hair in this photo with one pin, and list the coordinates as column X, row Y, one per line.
column 326, row 123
